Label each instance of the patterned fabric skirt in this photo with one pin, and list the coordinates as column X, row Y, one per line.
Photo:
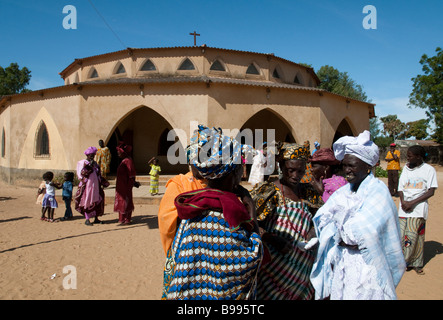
column 287, row 277
column 413, row 240
column 208, row 260
column 153, row 187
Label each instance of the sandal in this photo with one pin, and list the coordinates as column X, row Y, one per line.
column 419, row 271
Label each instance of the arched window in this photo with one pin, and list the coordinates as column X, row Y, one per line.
column 121, row 69
column 217, row 66
column 42, row 141
column 148, row 66
column 252, row 69
column 275, row 74
column 3, row 143
column 93, row 73
column 297, row 79
column 186, row 65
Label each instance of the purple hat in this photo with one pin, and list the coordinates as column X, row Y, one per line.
column 91, row 150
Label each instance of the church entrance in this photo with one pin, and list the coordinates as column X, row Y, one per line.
column 259, row 124
column 146, row 131
column 343, row 129
column 268, row 120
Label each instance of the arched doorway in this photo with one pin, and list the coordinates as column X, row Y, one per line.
column 264, row 126
column 343, row 129
column 267, row 120
column 146, row 131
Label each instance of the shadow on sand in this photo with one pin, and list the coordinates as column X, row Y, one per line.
column 138, row 221
column 431, row 249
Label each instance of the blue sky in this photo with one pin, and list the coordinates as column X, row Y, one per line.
column 321, row 32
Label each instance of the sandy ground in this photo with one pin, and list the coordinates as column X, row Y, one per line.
column 111, row 262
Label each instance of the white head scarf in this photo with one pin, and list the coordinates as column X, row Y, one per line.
column 361, row 147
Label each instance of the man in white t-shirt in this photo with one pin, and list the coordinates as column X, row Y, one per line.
column 418, row 182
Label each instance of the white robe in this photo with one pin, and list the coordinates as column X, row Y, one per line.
column 367, row 218
column 258, row 170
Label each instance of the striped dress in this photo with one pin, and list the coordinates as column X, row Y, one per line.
column 285, row 277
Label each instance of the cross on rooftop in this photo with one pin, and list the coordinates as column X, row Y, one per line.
column 195, row 37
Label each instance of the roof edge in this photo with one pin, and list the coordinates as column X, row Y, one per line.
column 186, row 79
column 204, row 46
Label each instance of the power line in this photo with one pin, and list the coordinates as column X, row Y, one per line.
column 109, row 27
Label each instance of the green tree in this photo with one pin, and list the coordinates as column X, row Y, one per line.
column 427, row 91
column 374, row 128
column 383, row 141
column 338, row 82
column 417, row 129
column 392, row 126
column 13, row 79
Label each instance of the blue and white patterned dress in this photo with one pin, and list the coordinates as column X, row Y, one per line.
column 209, row 260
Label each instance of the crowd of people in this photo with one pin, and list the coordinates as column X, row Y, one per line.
column 333, row 232
column 89, row 199
column 335, row 235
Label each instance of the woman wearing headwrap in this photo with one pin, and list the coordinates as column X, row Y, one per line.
column 168, row 220
column 125, row 181
column 90, row 197
column 217, row 250
column 324, row 169
column 284, row 211
column 359, row 254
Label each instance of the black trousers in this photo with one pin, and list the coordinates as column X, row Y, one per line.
column 393, row 182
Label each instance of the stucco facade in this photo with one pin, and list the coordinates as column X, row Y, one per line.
column 111, row 97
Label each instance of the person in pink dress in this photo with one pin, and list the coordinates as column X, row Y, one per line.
column 124, row 183
column 324, row 169
column 90, row 197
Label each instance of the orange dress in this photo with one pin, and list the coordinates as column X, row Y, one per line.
column 392, row 163
column 167, row 212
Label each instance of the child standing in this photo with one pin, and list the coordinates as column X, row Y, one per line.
column 154, row 173
column 49, row 203
column 67, row 194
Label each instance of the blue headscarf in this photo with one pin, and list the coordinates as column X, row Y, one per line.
column 214, row 154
